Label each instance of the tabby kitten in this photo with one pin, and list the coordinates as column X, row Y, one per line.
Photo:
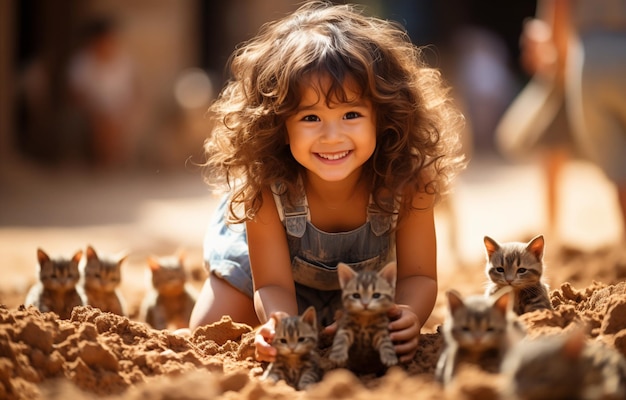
column 362, row 341
column 168, row 302
column 564, row 366
column 477, row 330
column 520, row 266
column 56, row 289
column 297, row 359
column 101, row 277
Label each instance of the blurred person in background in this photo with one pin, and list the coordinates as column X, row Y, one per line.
column 580, row 48
column 536, row 122
column 103, row 84
column 484, row 82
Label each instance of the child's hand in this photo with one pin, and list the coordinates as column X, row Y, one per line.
column 331, row 329
column 538, row 54
column 404, row 332
column 264, row 351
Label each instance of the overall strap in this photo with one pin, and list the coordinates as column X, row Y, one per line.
column 293, row 216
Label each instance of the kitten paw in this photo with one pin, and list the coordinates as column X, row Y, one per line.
column 338, row 359
column 389, row 360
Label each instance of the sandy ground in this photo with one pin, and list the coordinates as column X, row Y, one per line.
column 152, row 212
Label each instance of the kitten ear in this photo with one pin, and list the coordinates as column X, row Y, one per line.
column 344, row 273
column 77, row 256
column 389, row 273
column 153, row 264
column 455, row 301
column 309, row 316
column 491, row 246
column 181, row 254
column 122, row 257
column 535, row 246
column 503, row 300
column 42, row 256
column 91, row 253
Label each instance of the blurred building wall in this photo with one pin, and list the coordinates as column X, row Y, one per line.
column 161, row 35
column 6, row 79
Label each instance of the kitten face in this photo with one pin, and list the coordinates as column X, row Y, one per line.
column 58, row 273
column 368, row 291
column 514, row 264
column 477, row 322
column 296, row 335
column 101, row 273
column 168, row 274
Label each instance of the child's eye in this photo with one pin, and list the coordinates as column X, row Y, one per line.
column 352, row 115
column 310, row 118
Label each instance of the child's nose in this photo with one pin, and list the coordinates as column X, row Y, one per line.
column 332, row 132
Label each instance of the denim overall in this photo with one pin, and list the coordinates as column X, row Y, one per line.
column 314, row 253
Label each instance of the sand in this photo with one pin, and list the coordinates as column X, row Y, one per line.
column 95, row 354
column 101, row 355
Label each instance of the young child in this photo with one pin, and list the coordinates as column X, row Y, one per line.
column 335, row 140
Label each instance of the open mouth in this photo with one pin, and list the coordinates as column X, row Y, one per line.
column 334, row 156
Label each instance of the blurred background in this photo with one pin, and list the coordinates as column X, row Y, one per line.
column 102, row 107
column 160, row 62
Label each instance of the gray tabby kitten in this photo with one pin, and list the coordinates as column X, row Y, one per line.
column 101, row 278
column 477, row 330
column 170, row 299
column 520, row 266
column 56, row 289
column 362, row 341
column 564, row 366
column 297, row 359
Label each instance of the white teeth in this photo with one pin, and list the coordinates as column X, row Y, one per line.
column 334, row 156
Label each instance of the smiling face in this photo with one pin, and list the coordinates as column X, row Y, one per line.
column 330, row 138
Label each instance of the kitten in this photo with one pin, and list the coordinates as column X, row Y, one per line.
column 168, row 302
column 519, row 265
column 297, row 359
column 362, row 341
column 477, row 330
column 564, row 366
column 57, row 289
column 101, row 277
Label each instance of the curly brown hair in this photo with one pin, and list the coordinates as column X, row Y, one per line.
column 418, row 146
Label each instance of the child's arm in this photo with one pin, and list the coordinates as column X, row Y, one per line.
column 416, row 289
column 274, row 288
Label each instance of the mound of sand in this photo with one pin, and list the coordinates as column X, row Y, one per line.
column 95, row 354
